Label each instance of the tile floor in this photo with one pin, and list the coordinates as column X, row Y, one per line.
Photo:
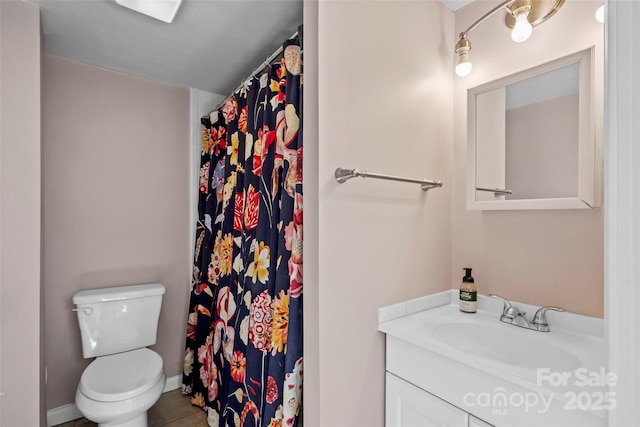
column 173, row 409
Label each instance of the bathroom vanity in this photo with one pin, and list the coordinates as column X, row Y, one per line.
column 445, row 367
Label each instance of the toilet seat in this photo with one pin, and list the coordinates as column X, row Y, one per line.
column 121, row 376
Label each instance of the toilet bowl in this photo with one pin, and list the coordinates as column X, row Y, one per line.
column 125, row 379
column 117, row 390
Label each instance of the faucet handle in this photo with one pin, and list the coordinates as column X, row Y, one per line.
column 540, row 318
column 508, row 311
column 507, row 304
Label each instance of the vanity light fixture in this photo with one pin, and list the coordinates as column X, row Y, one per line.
column 163, row 10
column 521, row 16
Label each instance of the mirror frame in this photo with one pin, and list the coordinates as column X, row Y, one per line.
column 588, row 196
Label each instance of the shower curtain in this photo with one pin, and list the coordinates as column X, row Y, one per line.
column 243, row 358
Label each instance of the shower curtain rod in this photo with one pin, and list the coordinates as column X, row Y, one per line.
column 268, row 61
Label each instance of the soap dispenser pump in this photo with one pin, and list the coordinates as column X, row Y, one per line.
column 468, row 293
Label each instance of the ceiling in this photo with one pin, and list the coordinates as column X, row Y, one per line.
column 455, row 4
column 211, row 45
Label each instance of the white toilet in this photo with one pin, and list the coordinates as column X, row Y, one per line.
column 126, row 378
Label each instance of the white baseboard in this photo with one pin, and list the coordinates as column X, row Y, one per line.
column 62, row 414
column 173, row 383
column 70, row 412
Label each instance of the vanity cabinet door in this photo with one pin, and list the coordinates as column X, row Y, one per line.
column 410, row 406
column 477, row 422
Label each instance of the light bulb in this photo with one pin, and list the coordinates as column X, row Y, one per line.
column 464, row 69
column 600, row 14
column 463, row 47
column 464, row 65
column 522, row 29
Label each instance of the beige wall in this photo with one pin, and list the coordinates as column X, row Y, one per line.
column 385, row 105
column 21, row 373
column 538, row 257
column 116, row 204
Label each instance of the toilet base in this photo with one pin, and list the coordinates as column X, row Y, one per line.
column 139, row 421
column 129, row 413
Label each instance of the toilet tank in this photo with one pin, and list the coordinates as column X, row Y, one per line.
column 114, row 320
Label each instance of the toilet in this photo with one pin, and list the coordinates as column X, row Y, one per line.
column 126, row 378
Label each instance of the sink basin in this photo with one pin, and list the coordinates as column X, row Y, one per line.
column 506, row 343
column 481, row 339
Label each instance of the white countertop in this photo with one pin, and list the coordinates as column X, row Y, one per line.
column 575, row 346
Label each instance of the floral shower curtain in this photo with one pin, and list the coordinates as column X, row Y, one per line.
column 243, row 358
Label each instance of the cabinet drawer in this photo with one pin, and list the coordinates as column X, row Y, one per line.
column 410, row 406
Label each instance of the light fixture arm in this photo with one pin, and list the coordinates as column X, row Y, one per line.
column 504, row 4
column 522, row 16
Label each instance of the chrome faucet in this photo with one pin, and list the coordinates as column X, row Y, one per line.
column 514, row 316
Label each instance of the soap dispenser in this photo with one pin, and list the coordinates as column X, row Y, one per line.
column 468, row 293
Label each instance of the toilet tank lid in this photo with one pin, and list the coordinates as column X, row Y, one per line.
column 118, row 293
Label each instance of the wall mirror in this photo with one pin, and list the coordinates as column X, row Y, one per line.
column 532, row 141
